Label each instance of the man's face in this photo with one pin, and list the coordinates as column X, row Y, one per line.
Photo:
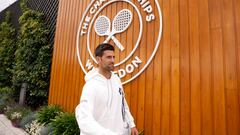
column 106, row 62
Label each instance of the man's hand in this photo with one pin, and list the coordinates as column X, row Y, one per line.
column 134, row 131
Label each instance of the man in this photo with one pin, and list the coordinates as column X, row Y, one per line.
column 103, row 109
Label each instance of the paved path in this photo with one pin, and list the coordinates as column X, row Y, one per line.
column 6, row 127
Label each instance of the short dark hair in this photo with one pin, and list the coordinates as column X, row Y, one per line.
column 103, row 47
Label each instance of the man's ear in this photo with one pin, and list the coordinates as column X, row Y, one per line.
column 98, row 59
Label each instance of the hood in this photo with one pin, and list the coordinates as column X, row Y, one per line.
column 94, row 74
column 91, row 74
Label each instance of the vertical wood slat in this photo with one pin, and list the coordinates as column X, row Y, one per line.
column 149, row 79
column 185, row 97
column 166, row 86
column 205, row 62
column 73, row 61
column 65, row 52
column 175, row 69
column 67, row 57
column 236, row 4
column 156, row 127
column 134, row 86
column 231, row 92
column 194, row 68
column 51, row 93
column 192, row 85
column 52, row 98
column 217, row 68
column 73, row 93
column 79, row 81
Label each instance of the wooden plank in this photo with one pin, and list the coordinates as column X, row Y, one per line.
column 52, row 87
column 66, row 53
column 218, row 84
column 120, row 36
column 133, row 86
column 83, row 44
column 134, row 100
column 233, row 112
column 166, row 73
column 134, row 83
column 73, row 57
column 80, row 75
column 219, row 114
column 229, row 47
column 141, row 102
column 183, row 89
column 149, row 78
column 236, row 4
column 156, row 127
column 194, row 68
column 69, row 46
column 60, row 98
column 58, row 56
column 125, row 41
column 185, row 126
column 142, row 82
column 149, row 100
column 175, row 86
column 79, row 79
column 157, row 69
column 219, row 111
column 205, row 65
column 59, row 67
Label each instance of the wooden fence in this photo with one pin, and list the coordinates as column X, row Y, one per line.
column 192, row 85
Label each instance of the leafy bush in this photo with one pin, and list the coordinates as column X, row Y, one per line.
column 15, row 118
column 3, row 108
column 32, row 57
column 27, row 119
column 47, row 130
column 5, row 90
column 16, row 113
column 7, row 50
column 47, row 113
column 6, row 94
column 65, row 124
column 17, row 109
column 34, row 128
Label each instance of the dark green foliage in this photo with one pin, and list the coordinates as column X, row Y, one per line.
column 27, row 119
column 32, row 57
column 26, row 57
column 47, row 130
column 6, row 94
column 47, row 113
column 3, row 108
column 23, row 111
column 65, row 124
column 7, row 50
column 6, row 91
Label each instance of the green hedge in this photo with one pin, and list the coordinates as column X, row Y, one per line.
column 65, row 124
column 48, row 113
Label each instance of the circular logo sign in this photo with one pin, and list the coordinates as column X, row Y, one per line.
column 134, row 29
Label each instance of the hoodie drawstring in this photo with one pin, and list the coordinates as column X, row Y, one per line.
column 110, row 93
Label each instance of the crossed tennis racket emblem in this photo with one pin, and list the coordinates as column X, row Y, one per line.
column 120, row 23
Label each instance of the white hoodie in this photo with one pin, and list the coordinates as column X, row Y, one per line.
column 100, row 108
